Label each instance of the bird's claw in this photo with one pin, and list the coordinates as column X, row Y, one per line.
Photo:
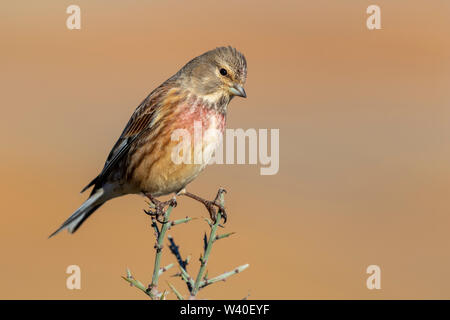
column 211, row 206
column 155, row 214
column 159, row 208
column 172, row 202
column 220, row 208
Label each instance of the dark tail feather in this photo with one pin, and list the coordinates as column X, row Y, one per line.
column 93, row 182
column 85, row 216
column 83, row 212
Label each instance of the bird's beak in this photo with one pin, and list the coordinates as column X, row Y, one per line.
column 238, row 90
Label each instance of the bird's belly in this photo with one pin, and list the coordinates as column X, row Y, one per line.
column 165, row 176
column 173, row 165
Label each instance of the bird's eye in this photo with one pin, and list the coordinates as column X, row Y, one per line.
column 223, row 72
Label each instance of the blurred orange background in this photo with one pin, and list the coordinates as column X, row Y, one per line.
column 364, row 124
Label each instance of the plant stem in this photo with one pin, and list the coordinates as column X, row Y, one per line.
column 224, row 276
column 178, row 294
column 187, row 278
column 204, row 259
column 137, row 284
column 164, row 269
column 185, row 220
column 159, row 246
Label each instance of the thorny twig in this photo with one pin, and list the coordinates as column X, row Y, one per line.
column 201, row 280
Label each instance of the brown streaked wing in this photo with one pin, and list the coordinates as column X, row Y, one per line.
column 139, row 123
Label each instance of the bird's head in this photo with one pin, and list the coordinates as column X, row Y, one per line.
column 217, row 73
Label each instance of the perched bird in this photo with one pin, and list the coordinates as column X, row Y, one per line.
column 141, row 160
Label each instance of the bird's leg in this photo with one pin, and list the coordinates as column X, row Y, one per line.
column 159, row 207
column 210, row 205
